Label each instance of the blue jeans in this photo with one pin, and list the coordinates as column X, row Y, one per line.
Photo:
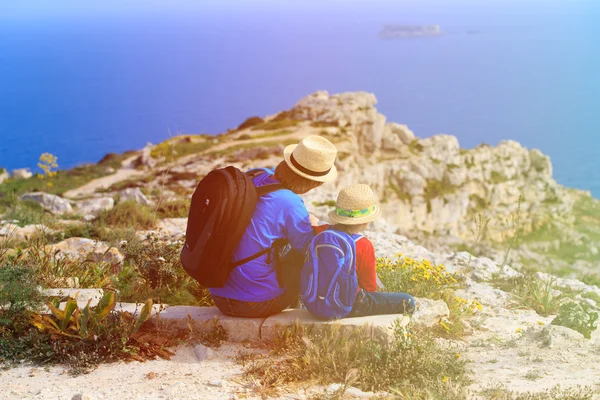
column 379, row 303
column 288, row 273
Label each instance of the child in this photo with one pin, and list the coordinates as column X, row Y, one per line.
column 355, row 208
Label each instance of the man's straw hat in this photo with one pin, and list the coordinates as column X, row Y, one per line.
column 355, row 205
column 312, row 158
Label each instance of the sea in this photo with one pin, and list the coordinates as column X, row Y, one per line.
column 82, row 79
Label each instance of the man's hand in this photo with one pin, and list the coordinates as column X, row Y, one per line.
column 314, row 221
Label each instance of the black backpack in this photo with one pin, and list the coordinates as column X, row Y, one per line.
column 221, row 209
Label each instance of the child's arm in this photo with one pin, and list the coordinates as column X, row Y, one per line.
column 365, row 265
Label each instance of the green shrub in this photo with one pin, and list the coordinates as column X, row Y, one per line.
column 577, row 316
column 415, row 147
column 51, row 270
column 539, row 296
column 18, row 291
column 435, row 188
column 250, row 122
column 154, row 271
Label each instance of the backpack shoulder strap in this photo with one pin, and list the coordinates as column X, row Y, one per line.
column 266, row 189
column 357, row 237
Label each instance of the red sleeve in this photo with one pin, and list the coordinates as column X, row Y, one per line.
column 320, row 228
column 365, row 265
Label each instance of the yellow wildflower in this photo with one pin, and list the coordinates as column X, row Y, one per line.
column 445, row 379
column 519, row 330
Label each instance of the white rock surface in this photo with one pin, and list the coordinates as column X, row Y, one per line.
column 87, row 249
column 94, row 206
column 52, row 203
column 3, row 175
column 21, row 173
column 134, row 194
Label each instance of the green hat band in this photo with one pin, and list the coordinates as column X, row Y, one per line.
column 354, row 213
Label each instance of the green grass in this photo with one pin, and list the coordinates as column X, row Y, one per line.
column 411, row 365
column 587, row 222
column 128, row 214
column 173, row 209
column 400, row 194
column 265, row 135
column 324, row 124
column 27, row 212
column 276, row 124
column 556, row 393
column 497, row 178
column 415, row 147
column 252, row 145
column 179, row 147
column 592, row 296
column 591, row 279
column 435, row 189
column 63, row 181
column 250, row 122
column 539, row 296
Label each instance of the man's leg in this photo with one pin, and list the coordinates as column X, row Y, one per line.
column 380, row 303
column 290, row 269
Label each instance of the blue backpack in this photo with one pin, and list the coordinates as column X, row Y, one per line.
column 328, row 283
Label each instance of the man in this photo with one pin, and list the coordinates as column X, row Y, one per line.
column 266, row 285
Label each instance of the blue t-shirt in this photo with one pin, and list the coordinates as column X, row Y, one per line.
column 280, row 214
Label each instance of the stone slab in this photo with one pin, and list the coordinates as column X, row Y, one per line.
column 241, row 329
column 136, row 308
column 379, row 323
column 81, row 295
column 204, row 319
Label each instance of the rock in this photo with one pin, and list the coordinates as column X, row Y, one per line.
column 145, row 159
column 82, row 396
column 89, row 217
column 3, row 175
column 173, row 227
column 23, row 233
column 134, row 194
column 396, row 136
column 52, row 203
column 430, row 312
column 350, row 392
column 81, row 295
column 256, row 153
column 89, row 250
column 203, row 353
column 556, row 337
column 94, row 206
column 216, row 383
column 22, row 173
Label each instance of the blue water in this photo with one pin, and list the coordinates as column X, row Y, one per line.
column 80, row 82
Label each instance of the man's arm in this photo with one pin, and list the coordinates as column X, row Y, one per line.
column 298, row 229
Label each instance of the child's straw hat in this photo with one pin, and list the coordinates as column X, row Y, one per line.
column 355, row 205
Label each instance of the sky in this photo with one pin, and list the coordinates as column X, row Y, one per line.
column 27, row 9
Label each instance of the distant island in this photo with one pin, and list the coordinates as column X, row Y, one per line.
column 408, row 31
